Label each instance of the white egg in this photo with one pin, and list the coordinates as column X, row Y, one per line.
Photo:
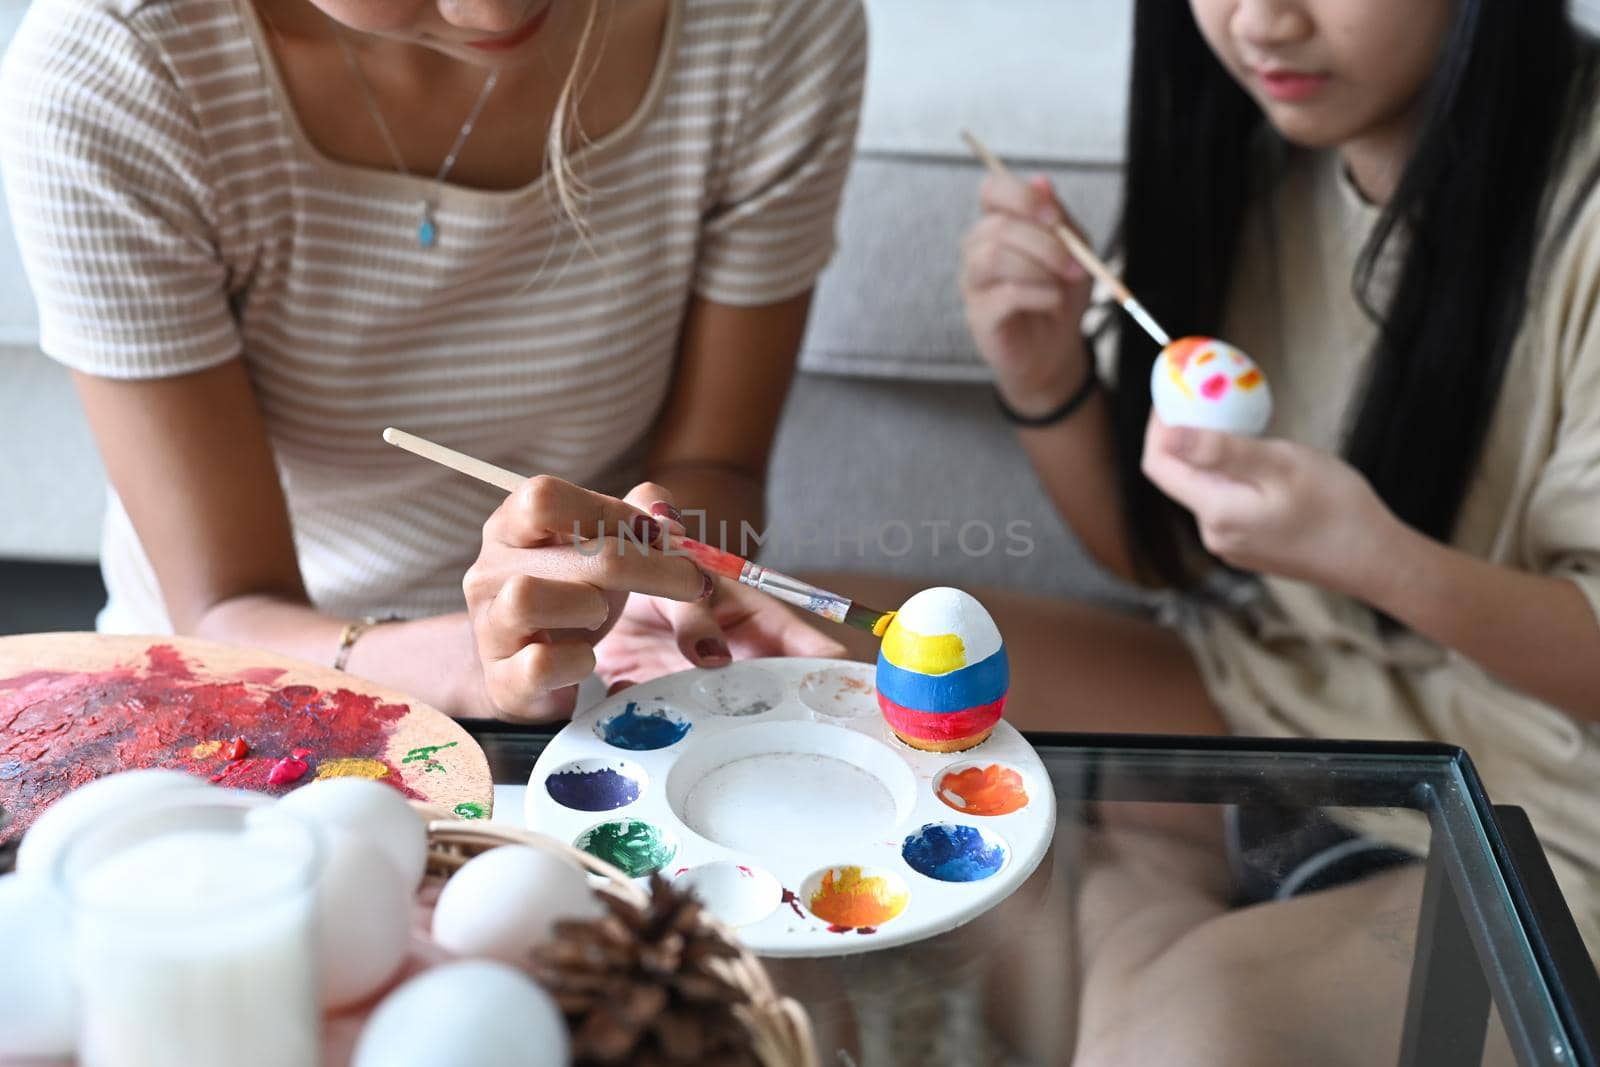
column 87, row 805
column 363, row 911
column 1209, row 384
column 474, row 1013
column 371, row 810
column 38, row 1005
column 507, row 900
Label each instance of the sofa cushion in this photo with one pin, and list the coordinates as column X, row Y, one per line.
column 1044, row 80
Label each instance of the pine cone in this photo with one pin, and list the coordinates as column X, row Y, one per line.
column 647, row 985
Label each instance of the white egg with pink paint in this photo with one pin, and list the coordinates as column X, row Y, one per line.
column 1210, row 385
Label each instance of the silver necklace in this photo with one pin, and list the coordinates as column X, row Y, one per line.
column 427, row 227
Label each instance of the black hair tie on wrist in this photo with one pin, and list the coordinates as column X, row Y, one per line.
column 1079, row 396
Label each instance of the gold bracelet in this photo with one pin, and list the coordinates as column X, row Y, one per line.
column 349, row 635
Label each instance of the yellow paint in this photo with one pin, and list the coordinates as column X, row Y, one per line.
column 850, row 899
column 354, row 767
column 206, row 749
column 1175, row 372
column 882, row 624
column 937, row 654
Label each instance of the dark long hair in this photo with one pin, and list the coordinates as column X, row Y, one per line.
column 1499, row 117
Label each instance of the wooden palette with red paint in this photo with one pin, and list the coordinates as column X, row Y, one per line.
column 76, row 706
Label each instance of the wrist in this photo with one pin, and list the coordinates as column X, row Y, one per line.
column 1041, row 389
column 1389, row 558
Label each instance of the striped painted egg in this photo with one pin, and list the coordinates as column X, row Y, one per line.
column 1207, row 383
column 942, row 672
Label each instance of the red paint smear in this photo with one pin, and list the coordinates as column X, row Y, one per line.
column 835, row 928
column 940, row 726
column 60, row 730
column 712, row 559
column 235, row 749
column 746, row 871
column 1213, row 387
column 866, row 929
column 164, row 659
column 793, row 900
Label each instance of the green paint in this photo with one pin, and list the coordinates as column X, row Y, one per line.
column 469, row 810
column 634, row 847
column 426, row 752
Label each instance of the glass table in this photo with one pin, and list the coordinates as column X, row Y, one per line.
column 1227, row 901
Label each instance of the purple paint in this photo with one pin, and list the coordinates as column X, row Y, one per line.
column 600, row 789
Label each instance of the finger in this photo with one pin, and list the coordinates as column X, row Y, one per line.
column 1207, row 493
column 699, row 637
column 1002, row 249
column 517, row 683
column 658, row 501
column 618, row 686
column 526, row 605
column 609, row 564
column 1243, row 459
column 987, row 311
column 545, row 509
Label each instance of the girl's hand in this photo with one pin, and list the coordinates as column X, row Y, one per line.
column 1274, row 506
column 1025, row 294
column 656, row 636
column 539, row 601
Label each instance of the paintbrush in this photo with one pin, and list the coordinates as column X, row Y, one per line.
column 1084, row 255
column 781, row 586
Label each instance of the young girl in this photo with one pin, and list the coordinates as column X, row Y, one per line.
column 576, row 238
column 1390, row 206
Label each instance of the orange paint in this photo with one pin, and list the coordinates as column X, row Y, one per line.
column 1210, row 355
column 1181, row 351
column 849, row 899
column 1249, row 380
column 991, row 790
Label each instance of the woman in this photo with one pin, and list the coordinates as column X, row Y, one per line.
column 1390, row 206
column 576, row 238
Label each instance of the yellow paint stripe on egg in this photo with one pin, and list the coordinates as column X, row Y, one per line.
column 925, row 654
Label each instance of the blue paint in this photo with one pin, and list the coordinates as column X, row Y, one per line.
column 600, row 790
column 10, row 769
column 951, row 853
column 642, row 732
column 971, row 686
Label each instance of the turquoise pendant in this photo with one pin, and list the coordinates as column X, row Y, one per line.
column 427, row 232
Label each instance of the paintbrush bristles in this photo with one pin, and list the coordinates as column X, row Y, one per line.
column 1081, row 252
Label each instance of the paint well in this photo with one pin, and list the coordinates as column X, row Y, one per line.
column 633, row 846
column 643, row 730
column 950, row 852
column 739, row 694
column 983, row 789
column 750, row 803
column 737, row 893
column 595, row 785
column 855, row 898
column 840, row 692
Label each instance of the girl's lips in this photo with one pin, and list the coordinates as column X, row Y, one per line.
column 508, row 41
column 1290, row 86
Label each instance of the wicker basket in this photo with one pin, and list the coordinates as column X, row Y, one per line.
column 779, row 1029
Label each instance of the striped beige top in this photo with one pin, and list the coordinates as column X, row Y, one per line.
column 172, row 215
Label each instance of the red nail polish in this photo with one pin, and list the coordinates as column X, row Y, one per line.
column 709, row 648
column 646, row 529
column 663, row 510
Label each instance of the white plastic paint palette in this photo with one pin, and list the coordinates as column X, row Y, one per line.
column 774, row 791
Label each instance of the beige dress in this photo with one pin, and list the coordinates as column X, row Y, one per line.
column 1288, row 659
column 173, row 215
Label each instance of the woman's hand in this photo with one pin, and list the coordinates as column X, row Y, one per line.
column 555, row 569
column 655, row 636
column 1025, row 294
column 1275, row 506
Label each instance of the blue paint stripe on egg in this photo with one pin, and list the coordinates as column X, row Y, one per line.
column 980, row 683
